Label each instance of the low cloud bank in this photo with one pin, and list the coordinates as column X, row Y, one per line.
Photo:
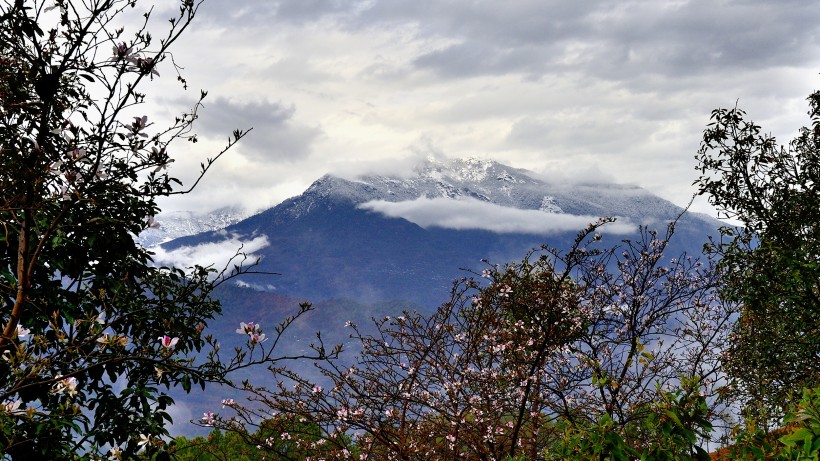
column 470, row 213
column 216, row 254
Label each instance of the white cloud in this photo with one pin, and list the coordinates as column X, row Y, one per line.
column 470, row 213
column 217, row 254
column 585, row 89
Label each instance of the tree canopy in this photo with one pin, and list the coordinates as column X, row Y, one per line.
column 771, row 263
column 93, row 334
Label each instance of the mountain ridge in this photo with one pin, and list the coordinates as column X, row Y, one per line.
column 331, row 242
column 487, row 181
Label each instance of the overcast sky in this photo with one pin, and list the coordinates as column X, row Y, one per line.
column 614, row 91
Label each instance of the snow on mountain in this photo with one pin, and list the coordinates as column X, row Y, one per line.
column 485, row 181
column 177, row 224
column 379, row 237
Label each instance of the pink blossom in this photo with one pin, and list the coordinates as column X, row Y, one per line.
column 257, row 338
column 248, row 328
column 12, row 407
column 168, row 342
column 207, row 418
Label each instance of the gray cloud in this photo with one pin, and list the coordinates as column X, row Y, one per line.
column 611, row 41
column 475, row 214
column 584, row 88
column 536, row 37
column 275, row 136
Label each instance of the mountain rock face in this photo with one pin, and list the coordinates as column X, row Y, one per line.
column 386, row 238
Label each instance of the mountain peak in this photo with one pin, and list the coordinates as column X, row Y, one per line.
column 486, row 181
column 470, row 170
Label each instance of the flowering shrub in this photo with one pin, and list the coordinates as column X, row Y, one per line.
column 517, row 355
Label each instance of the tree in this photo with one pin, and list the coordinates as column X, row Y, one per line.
column 217, row 446
column 770, row 263
column 282, row 437
column 92, row 331
column 558, row 340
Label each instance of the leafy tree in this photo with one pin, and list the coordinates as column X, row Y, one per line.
column 561, row 339
column 281, row 435
column 798, row 439
column 672, row 429
column 92, row 334
column 770, row 263
column 217, row 446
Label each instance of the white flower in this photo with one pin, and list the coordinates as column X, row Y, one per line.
column 77, row 153
column 113, row 340
column 65, row 384
column 123, row 51
column 248, row 328
column 115, row 453
column 228, row 403
column 207, row 418
column 168, row 342
column 144, row 440
column 257, row 338
column 22, row 333
column 11, row 407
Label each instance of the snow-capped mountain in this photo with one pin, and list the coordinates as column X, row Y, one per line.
column 373, row 245
column 491, row 182
column 175, row 224
column 376, row 237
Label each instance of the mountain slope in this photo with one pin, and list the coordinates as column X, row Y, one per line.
column 350, row 238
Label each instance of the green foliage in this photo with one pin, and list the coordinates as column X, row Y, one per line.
column 276, row 438
column 671, row 431
column 797, row 440
column 218, row 446
column 803, row 442
column 92, row 334
column 770, row 263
